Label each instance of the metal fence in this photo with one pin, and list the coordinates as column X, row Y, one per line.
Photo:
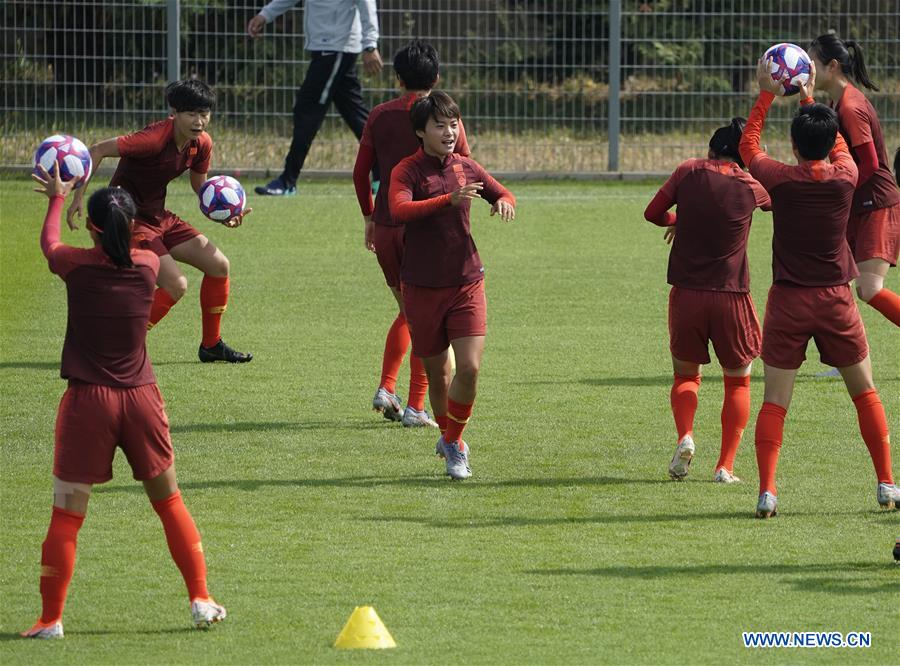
column 546, row 86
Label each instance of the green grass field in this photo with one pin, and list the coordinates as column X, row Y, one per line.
column 568, row 545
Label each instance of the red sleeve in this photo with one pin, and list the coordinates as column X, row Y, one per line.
column 493, row 191
column 61, row 258
column 763, row 200
column 749, row 145
column 658, row 209
column 806, row 101
column 204, row 155
column 868, row 161
column 842, row 159
column 462, row 143
column 365, row 160
column 855, row 120
column 143, row 143
column 403, row 208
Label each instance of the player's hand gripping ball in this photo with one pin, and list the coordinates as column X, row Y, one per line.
column 66, row 152
column 789, row 67
column 222, row 198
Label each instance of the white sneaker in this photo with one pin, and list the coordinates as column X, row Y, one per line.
column 681, row 461
column 46, row 631
column 387, row 403
column 724, row 476
column 457, row 456
column 205, row 612
column 767, row 505
column 413, row 418
column 888, row 496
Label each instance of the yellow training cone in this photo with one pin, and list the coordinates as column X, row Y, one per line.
column 364, row 629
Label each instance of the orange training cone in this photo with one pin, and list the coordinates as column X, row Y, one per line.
column 364, row 629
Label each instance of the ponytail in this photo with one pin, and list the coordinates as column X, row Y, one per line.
column 897, row 166
column 110, row 213
column 858, row 65
column 828, row 47
column 725, row 140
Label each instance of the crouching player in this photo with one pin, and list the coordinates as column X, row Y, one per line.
column 151, row 159
column 112, row 399
column 710, row 296
column 810, row 296
column 442, row 275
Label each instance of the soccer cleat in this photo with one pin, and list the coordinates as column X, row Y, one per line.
column 413, row 418
column 276, row 188
column 888, row 496
column 222, row 352
column 897, row 550
column 387, row 403
column 45, row 630
column 724, row 476
column 681, row 461
column 457, row 456
column 205, row 612
column 767, row 506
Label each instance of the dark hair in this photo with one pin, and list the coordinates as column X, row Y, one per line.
column 725, row 140
column 814, row 130
column 438, row 103
column 190, row 95
column 828, row 47
column 417, row 65
column 111, row 211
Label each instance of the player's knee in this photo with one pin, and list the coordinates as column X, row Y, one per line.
column 221, row 266
column 177, row 287
column 467, row 372
column 866, row 290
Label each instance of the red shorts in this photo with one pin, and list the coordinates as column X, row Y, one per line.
column 875, row 235
column 726, row 318
column 389, row 250
column 438, row 315
column 159, row 239
column 826, row 314
column 92, row 420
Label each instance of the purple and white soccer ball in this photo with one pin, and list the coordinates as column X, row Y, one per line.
column 221, row 198
column 72, row 156
column 789, row 67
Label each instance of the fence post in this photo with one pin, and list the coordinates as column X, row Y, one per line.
column 173, row 40
column 615, row 81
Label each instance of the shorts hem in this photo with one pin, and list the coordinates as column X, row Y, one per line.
column 859, row 359
column 81, row 478
column 892, row 261
column 153, row 473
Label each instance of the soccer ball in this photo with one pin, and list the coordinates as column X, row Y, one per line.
column 789, row 67
column 72, row 156
column 221, row 198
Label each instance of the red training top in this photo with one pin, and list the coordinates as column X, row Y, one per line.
column 440, row 251
column 108, row 309
column 811, row 207
column 716, row 200
column 862, row 132
column 388, row 137
column 150, row 160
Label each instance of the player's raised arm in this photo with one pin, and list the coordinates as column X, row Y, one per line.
column 99, row 151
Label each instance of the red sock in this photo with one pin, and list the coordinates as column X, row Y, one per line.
column 684, row 402
column 162, row 303
column 395, row 346
column 888, row 304
column 441, row 420
column 184, row 543
column 418, row 383
column 213, row 301
column 735, row 414
column 457, row 417
column 769, row 433
column 58, row 561
column 874, row 429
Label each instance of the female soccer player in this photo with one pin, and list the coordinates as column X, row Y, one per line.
column 874, row 228
column 710, row 297
column 810, row 296
column 151, row 159
column 442, row 275
column 387, row 138
column 112, row 399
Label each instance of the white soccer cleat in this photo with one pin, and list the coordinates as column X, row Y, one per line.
column 457, row 456
column 206, row 612
column 414, row 418
column 767, row 506
column 681, row 461
column 724, row 476
column 387, row 404
column 888, row 496
column 48, row 630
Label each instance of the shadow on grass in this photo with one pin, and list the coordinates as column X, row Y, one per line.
column 268, row 426
column 524, row 521
column 110, row 632
column 30, row 365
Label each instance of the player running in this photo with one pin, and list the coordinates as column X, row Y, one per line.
column 442, row 278
column 151, row 159
column 388, row 138
column 874, row 227
column 810, row 296
column 710, row 297
column 112, row 399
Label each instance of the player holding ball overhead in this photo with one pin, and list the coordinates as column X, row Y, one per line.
column 442, row 277
column 150, row 159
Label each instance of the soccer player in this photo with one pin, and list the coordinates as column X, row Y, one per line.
column 710, row 297
column 112, row 398
column 442, row 277
column 810, row 296
column 150, row 160
column 388, row 137
column 874, row 227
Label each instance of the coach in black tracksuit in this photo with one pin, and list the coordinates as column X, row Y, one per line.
column 336, row 32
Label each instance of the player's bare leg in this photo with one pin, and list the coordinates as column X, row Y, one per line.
column 870, row 288
column 770, row 433
column 683, row 397
column 172, row 285
column 735, row 414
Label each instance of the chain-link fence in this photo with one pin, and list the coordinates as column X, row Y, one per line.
column 546, row 86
